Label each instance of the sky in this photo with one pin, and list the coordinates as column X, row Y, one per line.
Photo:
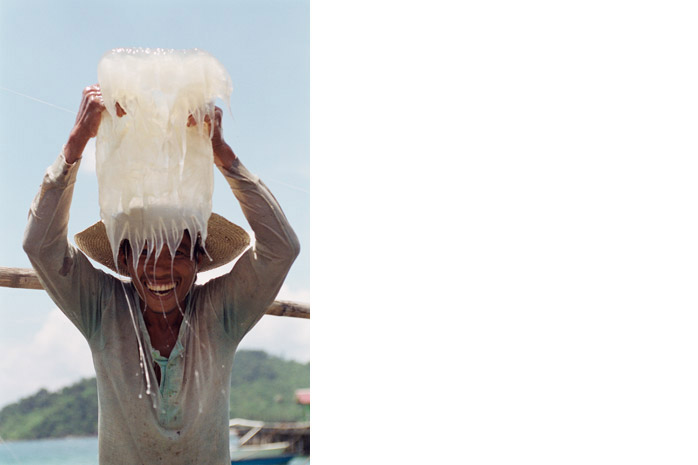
column 49, row 52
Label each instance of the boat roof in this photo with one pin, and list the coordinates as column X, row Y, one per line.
column 303, row 396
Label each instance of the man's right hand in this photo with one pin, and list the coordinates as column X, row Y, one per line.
column 87, row 122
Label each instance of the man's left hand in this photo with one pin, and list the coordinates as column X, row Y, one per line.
column 223, row 155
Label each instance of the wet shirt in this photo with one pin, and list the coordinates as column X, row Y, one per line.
column 184, row 418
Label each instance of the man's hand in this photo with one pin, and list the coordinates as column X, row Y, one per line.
column 87, row 122
column 223, row 155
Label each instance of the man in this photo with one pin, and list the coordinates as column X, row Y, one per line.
column 162, row 347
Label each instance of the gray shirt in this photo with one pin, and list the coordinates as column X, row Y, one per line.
column 184, row 420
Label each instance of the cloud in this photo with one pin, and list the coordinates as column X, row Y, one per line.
column 56, row 356
column 282, row 336
column 295, row 295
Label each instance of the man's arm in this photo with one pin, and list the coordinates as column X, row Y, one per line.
column 257, row 276
column 64, row 271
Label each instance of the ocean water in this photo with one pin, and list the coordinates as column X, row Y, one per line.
column 68, row 451
column 76, row 451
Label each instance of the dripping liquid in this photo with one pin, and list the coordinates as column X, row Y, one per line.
column 150, row 385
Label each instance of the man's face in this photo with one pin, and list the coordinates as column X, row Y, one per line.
column 163, row 285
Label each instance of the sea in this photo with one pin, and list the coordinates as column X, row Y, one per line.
column 66, row 451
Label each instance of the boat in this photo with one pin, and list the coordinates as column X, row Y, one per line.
column 260, row 450
column 276, row 460
column 262, row 453
column 259, row 443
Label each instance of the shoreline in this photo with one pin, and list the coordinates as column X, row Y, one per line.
column 9, row 441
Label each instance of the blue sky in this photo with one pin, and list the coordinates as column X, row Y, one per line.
column 49, row 51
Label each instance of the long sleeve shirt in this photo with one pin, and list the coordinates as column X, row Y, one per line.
column 184, row 418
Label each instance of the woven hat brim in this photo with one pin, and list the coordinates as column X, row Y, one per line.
column 224, row 242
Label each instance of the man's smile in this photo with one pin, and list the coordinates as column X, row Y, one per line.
column 160, row 288
column 163, row 283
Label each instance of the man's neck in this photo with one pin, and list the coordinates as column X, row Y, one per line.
column 163, row 328
column 163, row 320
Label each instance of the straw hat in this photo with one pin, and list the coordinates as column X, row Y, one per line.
column 224, row 242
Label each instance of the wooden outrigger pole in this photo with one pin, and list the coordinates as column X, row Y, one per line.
column 25, row 278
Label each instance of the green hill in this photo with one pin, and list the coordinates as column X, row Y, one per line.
column 262, row 388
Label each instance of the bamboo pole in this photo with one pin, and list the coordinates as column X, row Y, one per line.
column 25, row 278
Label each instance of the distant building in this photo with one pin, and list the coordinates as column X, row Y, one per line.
column 303, row 398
